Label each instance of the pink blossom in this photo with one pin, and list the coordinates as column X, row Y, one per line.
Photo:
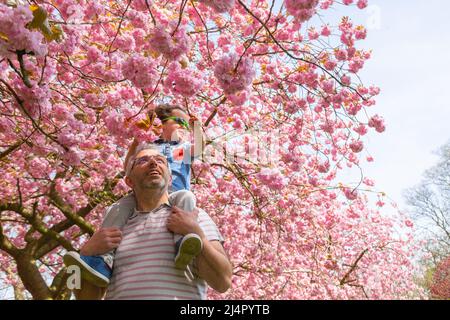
column 324, row 167
column 409, row 223
column 368, row 182
column 325, row 31
column 362, row 4
column 71, row 10
column 219, row 6
column 302, row 10
column 350, row 194
column 356, row 65
column 360, row 33
column 73, row 157
column 186, row 82
column 328, row 86
column 35, row 100
column 346, row 80
column 239, row 98
column 140, row 71
column 140, row 5
column 357, row 146
column 272, row 178
column 340, row 54
column 13, row 27
column 361, row 129
column 125, row 43
column 171, row 47
column 232, row 79
column 93, row 9
column 377, row 122
column 374, row 91
column 313, row 34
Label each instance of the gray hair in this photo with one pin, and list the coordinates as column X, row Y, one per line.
column 142, row 146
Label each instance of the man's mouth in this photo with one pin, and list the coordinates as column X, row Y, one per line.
column 153, row 173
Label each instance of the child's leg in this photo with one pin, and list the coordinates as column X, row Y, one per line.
column 119, row 212
column 187, row 247
column 117, row 216
column 185, row 200
column 98, row 269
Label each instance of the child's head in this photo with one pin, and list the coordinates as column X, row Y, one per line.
column 175, row 121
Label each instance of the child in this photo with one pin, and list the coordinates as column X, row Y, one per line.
column 98, row 269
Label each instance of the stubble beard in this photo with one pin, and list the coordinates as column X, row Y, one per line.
column 160, row 184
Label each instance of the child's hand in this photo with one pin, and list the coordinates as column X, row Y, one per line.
column 102, row 241
column 157, row 130
column 192, row 120
column 183, row 222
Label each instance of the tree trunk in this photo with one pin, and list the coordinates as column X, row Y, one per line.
column 32, row 278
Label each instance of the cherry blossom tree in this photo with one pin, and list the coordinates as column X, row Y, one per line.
column 281, row 103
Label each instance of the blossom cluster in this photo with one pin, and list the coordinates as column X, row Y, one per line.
column 140, row 71
column 185, row 82
column 172, row 47
column 233, row 73
column 302, row 10
column 219, row 6
column 15, row 36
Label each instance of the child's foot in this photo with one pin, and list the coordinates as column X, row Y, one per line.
column 187, row 248
column 94, row 269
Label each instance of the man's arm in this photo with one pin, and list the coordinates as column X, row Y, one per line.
column 101, row 242
column 213, row 264
column 89, row 292
column 130, row 152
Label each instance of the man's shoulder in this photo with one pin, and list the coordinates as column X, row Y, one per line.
column 203, row 216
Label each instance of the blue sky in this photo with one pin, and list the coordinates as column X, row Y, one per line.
column 411, row 45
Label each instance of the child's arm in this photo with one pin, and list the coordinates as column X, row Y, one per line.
column 131, row 151
column 199, row 138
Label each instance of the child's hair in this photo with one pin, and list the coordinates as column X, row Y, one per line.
column 164, row 111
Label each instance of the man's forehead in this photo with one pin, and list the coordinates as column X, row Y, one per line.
column 148, row 152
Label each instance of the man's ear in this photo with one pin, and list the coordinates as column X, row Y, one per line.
column 129, row 182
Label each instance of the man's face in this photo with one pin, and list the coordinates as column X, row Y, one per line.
column 173, row 130
column 149, row 171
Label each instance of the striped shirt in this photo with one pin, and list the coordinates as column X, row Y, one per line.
column 144, row 265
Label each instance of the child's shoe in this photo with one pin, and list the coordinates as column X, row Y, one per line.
column 94, row 269
column 187, row 248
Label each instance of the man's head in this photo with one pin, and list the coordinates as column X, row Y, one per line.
column 174, row 120
column 148, row 170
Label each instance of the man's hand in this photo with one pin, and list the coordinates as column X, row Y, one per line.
column 183, row 222
column 102, row 241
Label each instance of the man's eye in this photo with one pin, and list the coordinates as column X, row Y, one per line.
column 141, row 161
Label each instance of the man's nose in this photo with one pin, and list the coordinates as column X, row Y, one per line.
column 152, row 162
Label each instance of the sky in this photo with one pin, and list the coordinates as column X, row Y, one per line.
column 410, row 63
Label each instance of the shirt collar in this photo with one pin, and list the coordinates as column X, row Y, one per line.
column 166, row 205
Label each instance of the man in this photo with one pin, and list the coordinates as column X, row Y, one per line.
column 144, row 263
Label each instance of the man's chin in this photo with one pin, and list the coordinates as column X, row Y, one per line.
column 153, row 184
